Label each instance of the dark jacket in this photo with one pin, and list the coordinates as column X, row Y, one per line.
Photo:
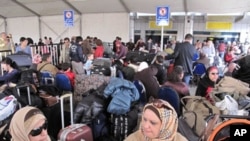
column 161, row 73
column 13, row 77
column 183, row 55
column 147, row 77
column 89, row 108
column 205, row 86
column 76, row 53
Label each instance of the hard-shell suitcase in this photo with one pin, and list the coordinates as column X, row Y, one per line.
column 74, row 132
column 21, row 59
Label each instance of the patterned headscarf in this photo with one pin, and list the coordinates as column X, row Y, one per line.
column 23, row 122
column 168, row 117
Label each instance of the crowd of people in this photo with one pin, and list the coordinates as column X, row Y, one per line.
column 159, row 119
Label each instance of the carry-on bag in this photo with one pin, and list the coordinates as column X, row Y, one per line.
column 74, row 132
column 21, row 59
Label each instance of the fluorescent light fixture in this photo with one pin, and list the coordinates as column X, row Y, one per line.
column 225, row 14
column 145, row 14
column 172, row 14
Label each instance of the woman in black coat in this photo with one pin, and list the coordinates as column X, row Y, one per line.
column 207, row 83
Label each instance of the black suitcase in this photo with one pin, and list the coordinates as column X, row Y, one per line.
column 21, row 59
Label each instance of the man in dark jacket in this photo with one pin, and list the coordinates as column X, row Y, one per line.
column 77, row 56
column 161, row 74
column 183, row 55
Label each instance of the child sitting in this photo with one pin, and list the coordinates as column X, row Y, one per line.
column 66, row 68
column 88, row 65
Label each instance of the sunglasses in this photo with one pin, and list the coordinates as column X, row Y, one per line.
column 38, row 131
column 214, row 73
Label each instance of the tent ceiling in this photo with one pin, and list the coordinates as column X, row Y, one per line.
column 22, row 8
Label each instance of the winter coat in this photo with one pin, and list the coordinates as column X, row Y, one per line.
column 123, row 92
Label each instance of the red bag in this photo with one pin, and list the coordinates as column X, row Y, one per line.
column 74, row 132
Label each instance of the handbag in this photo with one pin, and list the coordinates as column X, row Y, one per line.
column 185, row 130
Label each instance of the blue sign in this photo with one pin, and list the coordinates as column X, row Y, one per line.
column 68, row 18
column 162, row 16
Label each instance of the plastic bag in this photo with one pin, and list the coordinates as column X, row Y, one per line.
column 228, row 106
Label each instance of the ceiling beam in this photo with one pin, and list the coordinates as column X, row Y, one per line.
column 25, row 7
column 72, row 6
column 205, row 18
column 240, row 18
column 185, row 6
column 125, row 6
column 3, row 17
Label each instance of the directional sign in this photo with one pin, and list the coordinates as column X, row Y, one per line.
column 162, row 16
column 68, row 18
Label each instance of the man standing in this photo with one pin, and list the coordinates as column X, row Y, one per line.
column 183, row 55
column 64, row 57
column 77, row 56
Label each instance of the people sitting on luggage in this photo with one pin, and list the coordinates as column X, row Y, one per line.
column 46, row 65
column 29, row 124
column 207, row 83
column 88, row 65
column 174, row 80
column 161, row 74
column 10, row 71
column 36, row 59
column 66, row 68
column 99, row 49
column 159, row 122
column 23, row 47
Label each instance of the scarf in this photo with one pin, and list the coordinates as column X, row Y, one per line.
column 23, row 122
column 169, row 121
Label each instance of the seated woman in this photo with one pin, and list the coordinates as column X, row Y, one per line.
column 11, row 71
column 29, row 124
column 174, row 80
column 207, row 83
column 159, row 122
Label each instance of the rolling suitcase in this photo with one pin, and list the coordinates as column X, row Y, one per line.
column 74, row 132
column 21, row 59
column 23, row 102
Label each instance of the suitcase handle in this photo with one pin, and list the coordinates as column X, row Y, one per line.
column 28, row 93
column 68, row 95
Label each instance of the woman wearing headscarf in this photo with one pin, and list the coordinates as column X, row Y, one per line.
column 29, row 124
column 159, row 123
column 207, row 83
